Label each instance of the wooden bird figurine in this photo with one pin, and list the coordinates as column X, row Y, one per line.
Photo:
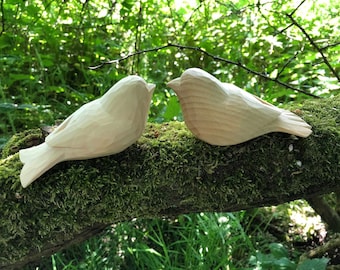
column 105, row 126
column 223, row 114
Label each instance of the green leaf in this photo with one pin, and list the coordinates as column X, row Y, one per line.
column 278, row 250
column 284, row 264
column 313, row 264
column 19, row 77
column 173, row 109
column 12, row 106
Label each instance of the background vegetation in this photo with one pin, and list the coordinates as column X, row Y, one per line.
column 47, row 47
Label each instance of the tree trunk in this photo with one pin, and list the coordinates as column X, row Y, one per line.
column 166, row 173
column 328, row 214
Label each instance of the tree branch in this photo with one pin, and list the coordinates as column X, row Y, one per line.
column 291, row 14
column 138, row 35
column 214, row 57
column 286, row 64
column 327, row 213
column 166, row 173
column 336, row 75
column 298, row 6
column 284, row 29
column 330, row 246
column 330, row 45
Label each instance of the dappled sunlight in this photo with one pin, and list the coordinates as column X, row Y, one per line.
column 305, row 222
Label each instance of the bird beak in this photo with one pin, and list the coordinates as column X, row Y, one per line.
column 174, row 84
column 151, row 87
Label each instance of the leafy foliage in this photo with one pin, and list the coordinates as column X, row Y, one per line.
column 46, row 48
column 278, row 258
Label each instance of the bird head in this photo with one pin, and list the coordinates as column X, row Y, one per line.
column 128, row 92
column 175, row 84
column 193, row 78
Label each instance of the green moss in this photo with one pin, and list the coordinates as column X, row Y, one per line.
column 167, row 172
column 21, row 140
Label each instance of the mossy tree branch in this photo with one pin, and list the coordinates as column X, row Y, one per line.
column 166, row 173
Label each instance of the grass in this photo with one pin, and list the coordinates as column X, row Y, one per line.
column 195, row 241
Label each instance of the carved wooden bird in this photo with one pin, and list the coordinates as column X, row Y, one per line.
column 105, row 126
column 223, row 114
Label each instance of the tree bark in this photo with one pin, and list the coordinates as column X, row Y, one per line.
column 166, row 173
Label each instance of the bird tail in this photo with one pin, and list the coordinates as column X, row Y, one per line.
column 37, row 160
column 291, row 123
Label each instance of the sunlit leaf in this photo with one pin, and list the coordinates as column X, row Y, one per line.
column 313, row 264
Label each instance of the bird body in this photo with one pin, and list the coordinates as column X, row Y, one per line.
column 223, row 114
column 105, row 126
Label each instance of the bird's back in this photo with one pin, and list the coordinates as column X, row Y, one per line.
column 106, row 125
column 217, row 113
column 223, row 114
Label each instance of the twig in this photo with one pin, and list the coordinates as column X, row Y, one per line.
column 138, row 33
column 2, row 17
column 292, row 13
column 116, row 61
column 268, row 22
column 172, row 14
column 284, row 29
column 258, row 5
column 274, row 80
column 286, row 64
column 214, row 57
column 82, row 12
column 314, row 45
column 191, row 15
column 330, row 45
